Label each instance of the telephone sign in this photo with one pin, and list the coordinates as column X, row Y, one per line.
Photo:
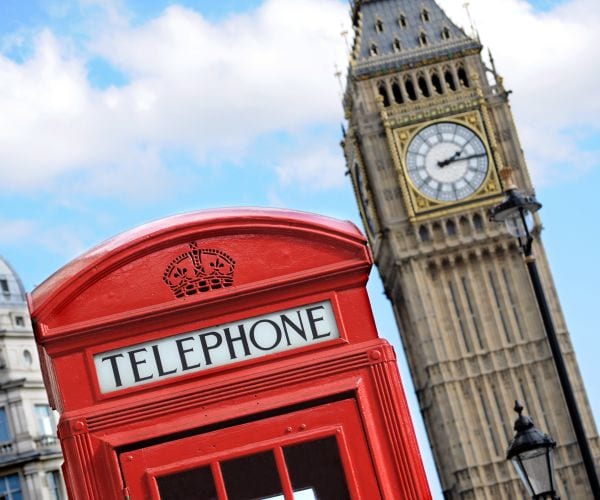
column 228, row 354
column 215, row 346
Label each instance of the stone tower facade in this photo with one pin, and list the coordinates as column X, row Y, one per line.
column 30, row 454
column 429, row 129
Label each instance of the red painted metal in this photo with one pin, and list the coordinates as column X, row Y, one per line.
column 340, row 420
column 197, row 273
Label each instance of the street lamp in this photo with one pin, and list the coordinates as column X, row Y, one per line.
column 532, row 454
column 516, row 212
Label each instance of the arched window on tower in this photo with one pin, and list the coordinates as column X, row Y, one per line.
column 436, row 82
column 373, row 50
column 410, row 89
column 462, row 77
column 397, row 93
column 465, row 226
column 423, row 39
column 423, row 86
column 424, row 233
column 396, row 45
column 384, row 94
column 449, row 77
column 379, row 26
column 425, row 16
column 445, row 34
column 437, row 232
column 402, row 21
column 4, row 288
column 451, row 228
column 478, row 222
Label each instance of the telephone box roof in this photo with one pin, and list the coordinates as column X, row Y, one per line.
column 70, row 282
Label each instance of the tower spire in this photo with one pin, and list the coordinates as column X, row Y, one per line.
column 395, row 32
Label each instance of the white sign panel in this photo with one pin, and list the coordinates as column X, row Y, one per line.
column 308, row 494
column 216, row 346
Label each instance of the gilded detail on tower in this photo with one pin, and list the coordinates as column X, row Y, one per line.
column 444, row 165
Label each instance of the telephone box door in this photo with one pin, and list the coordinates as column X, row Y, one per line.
column 317, row 452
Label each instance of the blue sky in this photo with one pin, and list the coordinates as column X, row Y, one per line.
column 117, row 112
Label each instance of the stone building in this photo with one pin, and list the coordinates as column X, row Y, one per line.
column 30, row 455
column 429, row 129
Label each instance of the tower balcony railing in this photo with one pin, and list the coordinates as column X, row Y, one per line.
column 392, row 61
column 401, row 113
column 11, row 298
column 6, row 448
column 12, row 450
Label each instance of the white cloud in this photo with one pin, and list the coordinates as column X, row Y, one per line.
column 15, row 230
column 52, row 122
column 221, row 85
column 62, row 240
column 59, row 240
column 551, row 61
column 208, row 88
column 318, row 167
column 214, row 88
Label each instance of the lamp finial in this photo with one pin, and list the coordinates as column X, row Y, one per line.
column 507, row 180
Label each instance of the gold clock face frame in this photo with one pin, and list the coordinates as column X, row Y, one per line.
column 421, row 206
column 447, row 161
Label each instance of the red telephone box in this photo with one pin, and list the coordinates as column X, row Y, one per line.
column 229, row 354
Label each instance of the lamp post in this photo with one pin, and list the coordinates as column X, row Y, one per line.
column 532, row 453
column 516, row 212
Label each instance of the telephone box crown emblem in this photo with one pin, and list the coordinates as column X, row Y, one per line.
column 199, row 270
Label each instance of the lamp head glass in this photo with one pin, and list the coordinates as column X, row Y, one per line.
column 532, row 453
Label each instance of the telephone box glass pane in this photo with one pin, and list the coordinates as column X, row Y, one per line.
column 316, row 466
column 251, row 477
column 187, row 485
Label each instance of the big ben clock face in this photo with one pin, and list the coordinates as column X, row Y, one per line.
column 447, row 162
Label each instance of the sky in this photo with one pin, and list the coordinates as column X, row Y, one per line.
column 117, row 112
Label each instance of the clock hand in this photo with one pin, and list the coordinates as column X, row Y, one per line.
column 443, row 163
column 479, row 155
column 456, row 158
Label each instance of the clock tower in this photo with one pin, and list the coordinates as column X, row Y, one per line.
column 429, row 131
